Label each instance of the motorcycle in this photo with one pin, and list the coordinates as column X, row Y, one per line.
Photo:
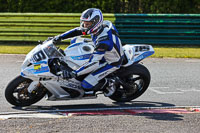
column 41, row 74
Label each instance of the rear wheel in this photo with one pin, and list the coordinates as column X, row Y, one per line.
column 136, row 79
column 17, row 94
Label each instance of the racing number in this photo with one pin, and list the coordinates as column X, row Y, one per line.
column 141, row 48
column 39, row 56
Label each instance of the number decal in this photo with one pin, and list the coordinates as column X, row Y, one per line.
column 141, row 48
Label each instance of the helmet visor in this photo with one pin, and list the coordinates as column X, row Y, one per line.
column 89, row 25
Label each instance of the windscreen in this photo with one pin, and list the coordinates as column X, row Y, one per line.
column 51, row 51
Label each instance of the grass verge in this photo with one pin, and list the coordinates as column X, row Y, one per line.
column 160, row 51
column 177, row 52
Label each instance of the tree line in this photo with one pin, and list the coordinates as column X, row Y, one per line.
column 107, row 6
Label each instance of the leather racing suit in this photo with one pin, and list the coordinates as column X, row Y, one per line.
column 108, row 49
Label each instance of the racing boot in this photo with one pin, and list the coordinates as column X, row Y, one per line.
column 100, row 86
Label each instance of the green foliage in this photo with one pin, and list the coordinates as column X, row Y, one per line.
column 3, row 5
column 107, row 6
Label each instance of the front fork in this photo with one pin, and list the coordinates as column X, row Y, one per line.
column 33, row 86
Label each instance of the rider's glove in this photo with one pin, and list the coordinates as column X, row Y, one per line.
column 57, row 39
column 68, row 74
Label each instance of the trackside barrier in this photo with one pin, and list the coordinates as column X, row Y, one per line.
column 133, row 28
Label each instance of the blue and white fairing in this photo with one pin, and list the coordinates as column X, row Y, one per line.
column 35, row 67
column 78, row 54
column 35, row 64
column 137, row 52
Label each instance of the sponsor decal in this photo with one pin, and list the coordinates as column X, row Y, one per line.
column 81, row 57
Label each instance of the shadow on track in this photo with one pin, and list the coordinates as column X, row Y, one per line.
column 115, row 105
column 163, row 116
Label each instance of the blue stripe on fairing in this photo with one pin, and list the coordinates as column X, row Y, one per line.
column 76, row 44
column 40, row 62
column 144, row 55
column 86, row 85
column 42, row 70
column 80, row 69
column 103, row 69
column 81, row 57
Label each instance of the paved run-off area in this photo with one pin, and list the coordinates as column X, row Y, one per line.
column 166, row 120
column 169, row 121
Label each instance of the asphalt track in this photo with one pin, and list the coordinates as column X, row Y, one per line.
column 175, row 86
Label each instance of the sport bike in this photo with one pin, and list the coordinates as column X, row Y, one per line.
column 41, row 74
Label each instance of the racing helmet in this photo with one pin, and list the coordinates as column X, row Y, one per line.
column 93, row 15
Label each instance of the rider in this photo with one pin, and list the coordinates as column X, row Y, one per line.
column 108, row 48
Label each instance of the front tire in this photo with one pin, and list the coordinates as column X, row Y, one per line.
column 137, row 78
column 16, row 92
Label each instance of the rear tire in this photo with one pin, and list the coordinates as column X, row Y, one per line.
column 137, row 77
column 16, row 92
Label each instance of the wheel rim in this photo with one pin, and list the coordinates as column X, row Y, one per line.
column 136, row 82
column 21, row 94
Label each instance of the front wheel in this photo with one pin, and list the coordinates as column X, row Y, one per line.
column 17, row 94
column 136, row 79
